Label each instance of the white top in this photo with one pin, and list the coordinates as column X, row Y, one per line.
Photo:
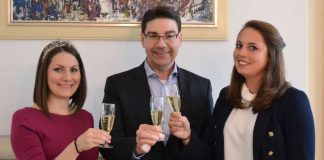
column 238, row 130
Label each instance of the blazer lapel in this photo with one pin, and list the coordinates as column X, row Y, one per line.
column 183, row 89
column 142, row 88
column 260, row 127
column 220, row 116
column 221, row 113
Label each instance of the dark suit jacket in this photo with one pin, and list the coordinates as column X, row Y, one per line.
column 130, row 92
column 285, row 131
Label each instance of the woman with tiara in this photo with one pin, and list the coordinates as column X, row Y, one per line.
column 56, row 126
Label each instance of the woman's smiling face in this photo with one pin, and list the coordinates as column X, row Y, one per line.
column 63, row 75
column 250, row 54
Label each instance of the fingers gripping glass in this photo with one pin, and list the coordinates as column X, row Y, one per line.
column 169, row 38
column 173, row 96
column 107, row 117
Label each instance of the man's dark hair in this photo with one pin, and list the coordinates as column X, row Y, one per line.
column 161, row 12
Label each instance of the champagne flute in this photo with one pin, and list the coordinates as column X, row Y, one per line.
column 107, row 117
column 173, row 96
column 157, row 107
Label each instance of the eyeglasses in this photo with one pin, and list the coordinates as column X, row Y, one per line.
column 168, row 38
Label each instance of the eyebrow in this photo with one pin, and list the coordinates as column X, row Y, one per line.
column 65, row 66
column 252, row 43
column 167, row 32
column 249, row 43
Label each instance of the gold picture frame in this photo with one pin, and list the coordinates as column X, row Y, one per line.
column 92, row 31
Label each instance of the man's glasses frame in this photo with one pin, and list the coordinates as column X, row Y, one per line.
column 154, row 38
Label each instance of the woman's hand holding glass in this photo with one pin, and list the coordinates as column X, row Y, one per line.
column 92, row 137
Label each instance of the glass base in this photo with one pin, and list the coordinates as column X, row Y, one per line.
column 106, row 145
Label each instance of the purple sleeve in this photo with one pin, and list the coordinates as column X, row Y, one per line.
column 93, row 153
column 25, row 141
column 91, row 121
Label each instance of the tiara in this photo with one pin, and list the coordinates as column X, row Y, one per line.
column 56, row 44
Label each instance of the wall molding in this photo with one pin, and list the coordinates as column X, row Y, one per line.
column 316, row 70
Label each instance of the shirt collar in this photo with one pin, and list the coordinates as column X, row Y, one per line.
column 150, row 73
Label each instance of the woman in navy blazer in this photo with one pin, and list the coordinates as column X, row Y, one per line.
column 259, row 115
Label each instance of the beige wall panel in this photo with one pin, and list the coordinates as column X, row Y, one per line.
column 316, row 70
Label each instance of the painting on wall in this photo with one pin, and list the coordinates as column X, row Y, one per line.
column 107, row 11
column 106, row 19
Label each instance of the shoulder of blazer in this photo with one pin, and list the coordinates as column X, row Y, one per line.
column 224, row 91
column 183, row 73
column 222, row 108
column 222, row 97
column 292, row 99
column 137, row 72
column 292, row 92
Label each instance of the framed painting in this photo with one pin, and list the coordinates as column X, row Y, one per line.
column 106, row 19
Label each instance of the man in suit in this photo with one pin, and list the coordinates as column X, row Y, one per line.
column 133, row 135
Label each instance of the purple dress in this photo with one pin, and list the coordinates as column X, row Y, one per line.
column 38, row 137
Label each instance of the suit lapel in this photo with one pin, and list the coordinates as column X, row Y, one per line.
column 220, row 116
column 183, row 89
column 142, row 89
column 260, row 128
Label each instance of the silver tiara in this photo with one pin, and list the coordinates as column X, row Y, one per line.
column 56, row 44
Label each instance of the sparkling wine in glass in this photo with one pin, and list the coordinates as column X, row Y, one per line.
column 173, row 96
column 157, row 107
column 107, row 117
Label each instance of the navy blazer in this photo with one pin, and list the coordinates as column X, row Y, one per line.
column 285, row 131
column 130, row 92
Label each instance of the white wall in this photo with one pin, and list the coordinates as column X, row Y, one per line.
column 211, row 59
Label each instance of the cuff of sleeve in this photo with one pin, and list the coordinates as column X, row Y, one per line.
column 137, row 157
